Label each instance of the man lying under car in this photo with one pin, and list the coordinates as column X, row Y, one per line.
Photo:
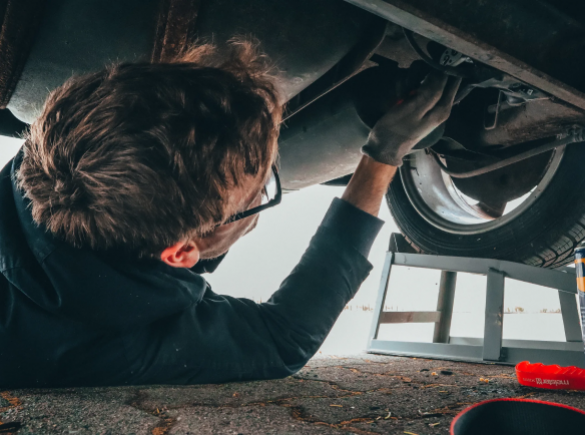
column 135, row 180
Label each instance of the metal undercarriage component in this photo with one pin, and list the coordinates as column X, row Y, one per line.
column 527, row 39
column 539, row 97
column 574, row 136
column 304, row 38
column 521, row 49
column 538, row 119
column 539, row 92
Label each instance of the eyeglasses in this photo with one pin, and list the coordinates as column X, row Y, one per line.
column 271, row 196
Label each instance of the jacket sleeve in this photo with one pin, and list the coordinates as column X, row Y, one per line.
column 223, row 339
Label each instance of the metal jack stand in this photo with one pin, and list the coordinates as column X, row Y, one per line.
column 492, row 348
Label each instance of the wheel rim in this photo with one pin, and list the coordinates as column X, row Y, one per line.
column 433, row 194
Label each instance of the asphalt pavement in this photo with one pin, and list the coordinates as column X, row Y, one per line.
column 365, row 394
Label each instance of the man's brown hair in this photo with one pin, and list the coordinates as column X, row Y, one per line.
column 141, row 156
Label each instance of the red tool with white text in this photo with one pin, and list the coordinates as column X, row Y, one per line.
column 551, row 377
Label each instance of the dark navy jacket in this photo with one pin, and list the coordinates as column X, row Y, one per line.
column 74, row 317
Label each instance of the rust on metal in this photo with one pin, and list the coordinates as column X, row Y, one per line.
column 175, row 28
column 535, row 120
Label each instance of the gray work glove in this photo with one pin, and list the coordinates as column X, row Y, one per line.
column 406, row 123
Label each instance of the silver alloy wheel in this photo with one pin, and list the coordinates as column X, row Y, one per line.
column 433, row 194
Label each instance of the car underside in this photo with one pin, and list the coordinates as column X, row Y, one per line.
column 501, row 178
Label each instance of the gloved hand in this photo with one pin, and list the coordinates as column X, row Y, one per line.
column 409, row 121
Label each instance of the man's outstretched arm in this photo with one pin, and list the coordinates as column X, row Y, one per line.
column 350, row 226
column 394, row 136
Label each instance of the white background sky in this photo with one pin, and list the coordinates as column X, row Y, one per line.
column 257, row 264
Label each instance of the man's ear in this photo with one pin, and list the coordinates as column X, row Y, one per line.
column 182, row 254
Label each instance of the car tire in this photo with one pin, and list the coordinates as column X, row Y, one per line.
column 543, row 235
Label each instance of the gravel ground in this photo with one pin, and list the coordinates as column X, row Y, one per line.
column 366, row 394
